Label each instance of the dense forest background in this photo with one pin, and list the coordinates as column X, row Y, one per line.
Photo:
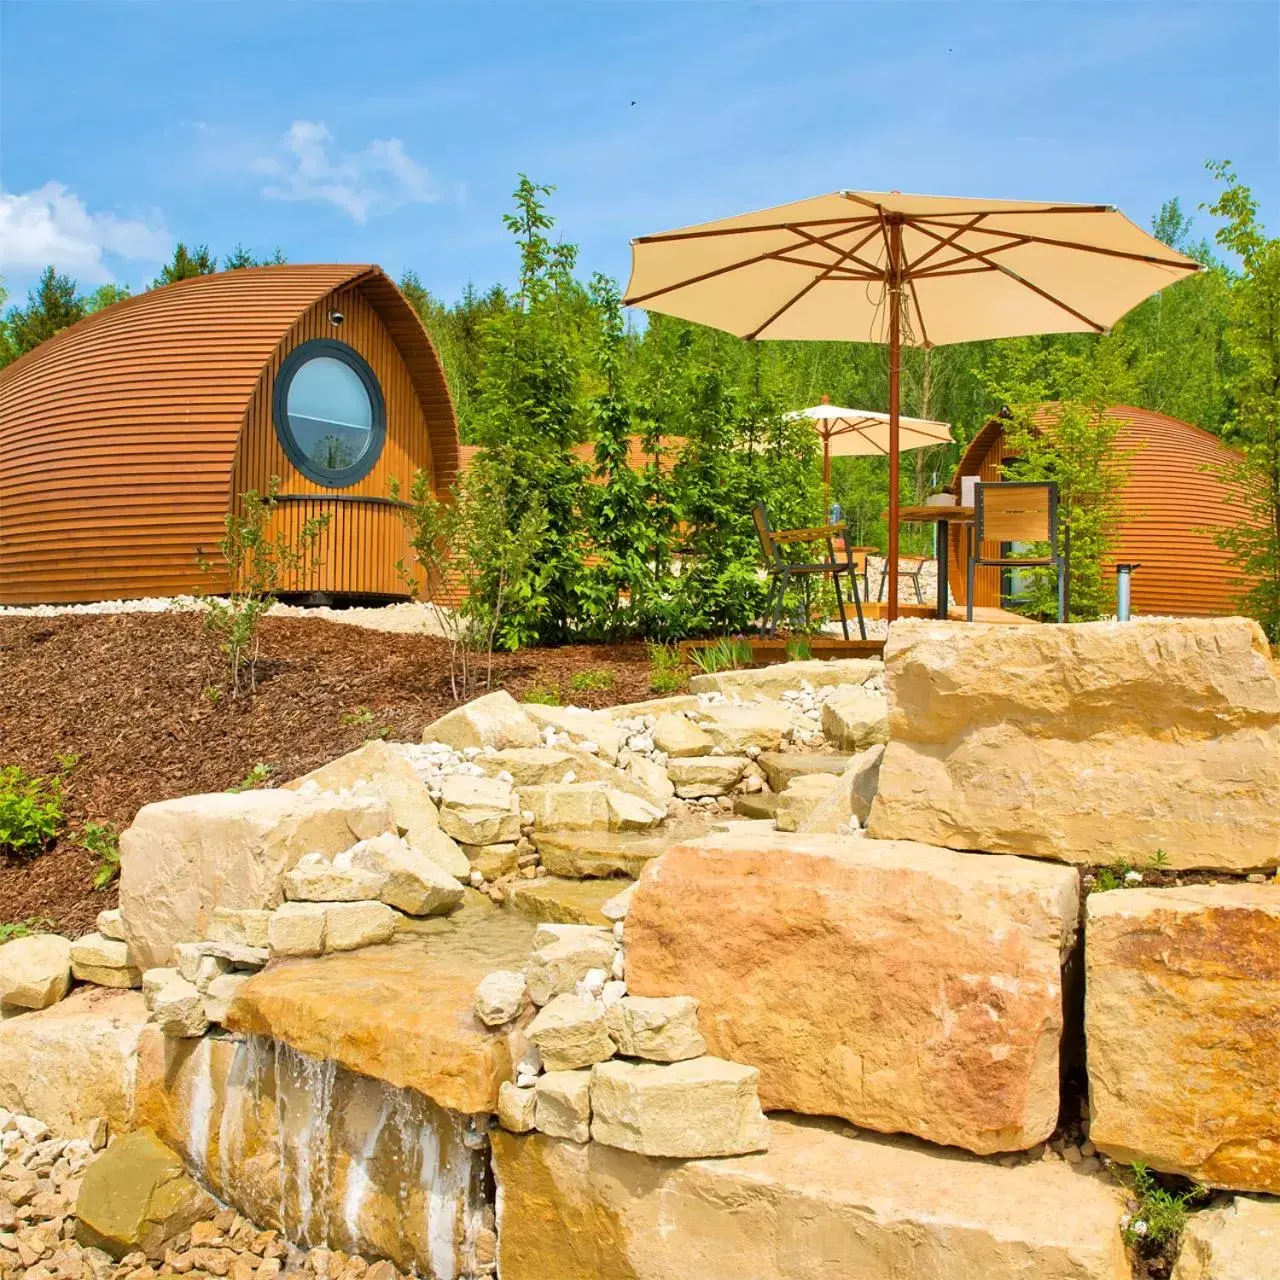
column 554, row 361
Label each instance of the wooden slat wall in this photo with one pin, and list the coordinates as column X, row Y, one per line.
column 359, row 549
column 118, row 437
column 1174, row 500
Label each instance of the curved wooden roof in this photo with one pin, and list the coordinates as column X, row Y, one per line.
column 1174, row 499
column 129, row 420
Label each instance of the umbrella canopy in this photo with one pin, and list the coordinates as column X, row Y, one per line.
column 864, row 266
column 849, row 433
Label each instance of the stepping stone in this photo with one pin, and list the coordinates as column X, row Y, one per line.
column 552, row 900
column 782, row 767
column 582, row 855
column 759, row 806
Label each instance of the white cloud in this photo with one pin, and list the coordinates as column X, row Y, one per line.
column 380, row 179
column 52, row 225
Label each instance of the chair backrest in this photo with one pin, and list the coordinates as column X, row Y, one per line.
column 1016, row 511
column 760, row 518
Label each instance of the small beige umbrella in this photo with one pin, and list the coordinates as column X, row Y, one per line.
column 864, row 433
column 865, row 266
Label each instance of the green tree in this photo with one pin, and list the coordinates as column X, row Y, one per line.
column 1253, row 335
column 185, row 264
column 529, row 418
column 241, row 257
column 1074, row 444
column 105, row 295
column 53, row 305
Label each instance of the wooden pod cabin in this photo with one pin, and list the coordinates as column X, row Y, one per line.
column 1174, row 500
column 127, row 438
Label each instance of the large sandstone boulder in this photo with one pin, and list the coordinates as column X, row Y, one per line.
column 783, row 677
column 1182, row 1020
column 899, row 986
column 1086, row 743
column 136, row 1196
column 412, row 881
column 1239, row 1241
column 688, row 1110
column 678, row 736
column 588, row 806
column 380, row 770
column 73, row 1062
column 183, row 859
column 819, row 1205
column 494, row 720
column 103, row 961
column 35, row 971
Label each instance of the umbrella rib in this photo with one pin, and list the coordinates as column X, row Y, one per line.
column 777, row 254
column 1037, row 209
column 966, row 254
column 942, row 244
column 851, row 223
column 813, row 284
column 1017, row 238
column 1026, row 284
column 847, row 254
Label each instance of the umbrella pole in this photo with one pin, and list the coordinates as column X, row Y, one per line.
column 826, row 478
column 895, row 396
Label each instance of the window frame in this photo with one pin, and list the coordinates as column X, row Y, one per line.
column 290, row 367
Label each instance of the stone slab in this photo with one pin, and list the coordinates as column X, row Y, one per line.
column 402, row 1013
column 73, row 1062
column 781, row 768
column 597, row 854
column 820, row 1204
column 902, row 987
column 551, row 900
column 1085, row 743
column 1238, row 1241
column 779, row 678
column 1182, row 1019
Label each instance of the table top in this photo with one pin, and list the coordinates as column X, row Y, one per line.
column 931, row 515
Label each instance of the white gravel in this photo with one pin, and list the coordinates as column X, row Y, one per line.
column 407, row 617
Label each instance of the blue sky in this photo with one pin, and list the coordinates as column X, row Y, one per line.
column 393, row 132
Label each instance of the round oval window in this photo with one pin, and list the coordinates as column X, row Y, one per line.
column 329, row 413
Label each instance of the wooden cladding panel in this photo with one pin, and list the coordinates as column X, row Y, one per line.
column 363, row 541
column 1174, row 500
column 118, row 437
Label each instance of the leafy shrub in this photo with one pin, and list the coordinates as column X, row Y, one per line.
column 24, row 928
column 592, row 680
column 543, row 695
column 101, row 840
column 729, row 653
column 31, row 812
column 667, row 672
column 470, row 539
column 256, row 562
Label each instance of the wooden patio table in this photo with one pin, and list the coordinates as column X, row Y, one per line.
column 944, row 518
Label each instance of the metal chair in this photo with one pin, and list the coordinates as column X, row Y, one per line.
column 782, row 571
column 908, row 567
column 1017, row 511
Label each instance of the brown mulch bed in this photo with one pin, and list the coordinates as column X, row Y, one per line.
column 126, row 693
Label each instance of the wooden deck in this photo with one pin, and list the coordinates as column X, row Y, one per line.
column 981, row 613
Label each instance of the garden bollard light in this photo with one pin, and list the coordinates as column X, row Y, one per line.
column 1123, row 573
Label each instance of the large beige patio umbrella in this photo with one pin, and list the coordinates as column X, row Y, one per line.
column 865, row 266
